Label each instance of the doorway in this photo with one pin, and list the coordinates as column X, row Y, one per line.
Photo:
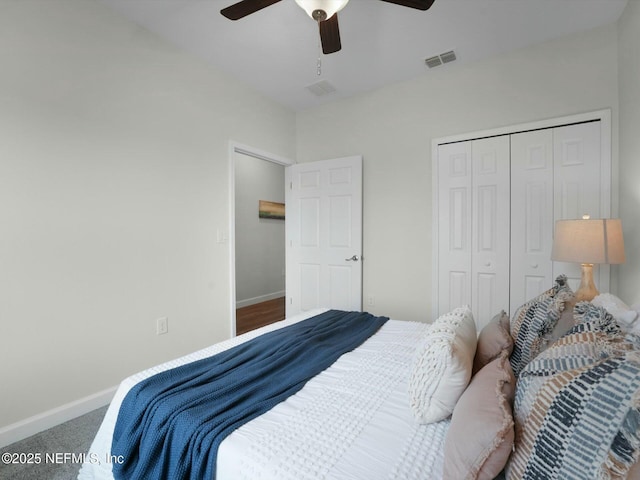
column 257, row 242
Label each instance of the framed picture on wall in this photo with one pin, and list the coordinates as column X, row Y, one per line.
column 271, row 210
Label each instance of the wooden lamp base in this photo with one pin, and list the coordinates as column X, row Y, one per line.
column 587, row 290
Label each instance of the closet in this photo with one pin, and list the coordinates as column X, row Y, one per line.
column 497, row 195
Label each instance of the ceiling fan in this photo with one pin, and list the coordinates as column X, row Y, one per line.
column 325, row 12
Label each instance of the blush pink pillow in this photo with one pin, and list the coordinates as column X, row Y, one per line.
column 481, row 434
column 493, row 339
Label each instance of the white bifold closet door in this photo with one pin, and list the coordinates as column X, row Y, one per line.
column 555, row 175
column 497, row 196
column 531, row 214
column 473, row 238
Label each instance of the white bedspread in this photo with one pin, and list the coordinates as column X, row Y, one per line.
column 352, row 421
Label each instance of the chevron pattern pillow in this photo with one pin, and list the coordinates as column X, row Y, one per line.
column 534, row 320
column 577, row 405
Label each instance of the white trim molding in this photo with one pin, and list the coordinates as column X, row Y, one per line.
column 262, row 298
column 45, row 420
column 235, row 147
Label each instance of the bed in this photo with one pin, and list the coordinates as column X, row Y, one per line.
column 423, row 401
column 365, row 392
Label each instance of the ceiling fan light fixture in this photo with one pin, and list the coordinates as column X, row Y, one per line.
column 315, row 7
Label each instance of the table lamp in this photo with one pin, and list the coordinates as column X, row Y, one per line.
column 588, row 241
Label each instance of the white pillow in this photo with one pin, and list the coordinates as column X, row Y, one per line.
column 442, row 366
column 624, row 315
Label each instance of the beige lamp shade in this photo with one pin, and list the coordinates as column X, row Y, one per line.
column 595, row 241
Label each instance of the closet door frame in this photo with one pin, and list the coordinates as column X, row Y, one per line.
column 607, row 206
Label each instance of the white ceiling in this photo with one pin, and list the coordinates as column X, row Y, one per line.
column 275, row 50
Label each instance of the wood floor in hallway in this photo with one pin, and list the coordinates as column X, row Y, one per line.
column 259, row 315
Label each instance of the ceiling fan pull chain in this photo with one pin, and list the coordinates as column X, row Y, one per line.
column 319, row 64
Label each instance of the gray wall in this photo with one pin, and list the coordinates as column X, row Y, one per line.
column 260, row 247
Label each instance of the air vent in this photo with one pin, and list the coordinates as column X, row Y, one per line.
column 321, row 88
column 448, row 56
column 436, row 60
column 433, row 61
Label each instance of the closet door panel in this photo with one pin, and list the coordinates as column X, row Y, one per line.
column 531, row 214
column 454, row 228
column 490, row 227
column 576, row 155
column 497, row 205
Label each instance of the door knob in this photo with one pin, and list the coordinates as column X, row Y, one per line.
column 355, row 258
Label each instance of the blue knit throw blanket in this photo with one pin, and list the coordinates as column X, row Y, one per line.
column 171, row 425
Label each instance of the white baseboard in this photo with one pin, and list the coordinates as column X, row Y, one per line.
column 45, row 420
column 261, row 298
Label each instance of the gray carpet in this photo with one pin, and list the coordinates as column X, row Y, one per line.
column 72, row 437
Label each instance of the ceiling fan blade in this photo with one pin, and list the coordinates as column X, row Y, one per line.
column 245, row 7
column 419, row 4
column 330, row 35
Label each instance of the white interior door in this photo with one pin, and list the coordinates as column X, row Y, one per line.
column 324, row 235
